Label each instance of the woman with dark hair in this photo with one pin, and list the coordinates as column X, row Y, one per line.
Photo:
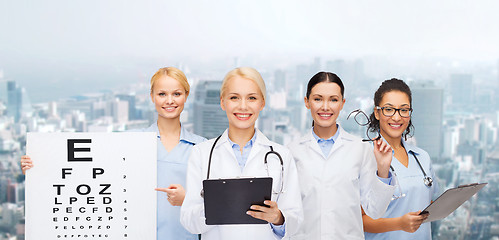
column 392, row 120
column 337, row 171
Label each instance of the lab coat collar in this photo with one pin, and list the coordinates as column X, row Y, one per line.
column 260, row 138
column 309, row 139
column 343, row 135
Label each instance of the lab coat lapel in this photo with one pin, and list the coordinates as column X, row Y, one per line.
column 312, row 143
column 342, row 138
column 261, row 142
column 225, row 144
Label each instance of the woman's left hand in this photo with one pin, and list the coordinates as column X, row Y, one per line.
column 383, row 154
column 271, row 214
column 175, row 194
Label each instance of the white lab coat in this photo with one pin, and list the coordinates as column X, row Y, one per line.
column 225, row 165
column 333, row 188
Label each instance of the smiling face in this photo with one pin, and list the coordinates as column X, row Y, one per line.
column 325, row 103
column 393, row 127
column 242, row 101
column 168, row 96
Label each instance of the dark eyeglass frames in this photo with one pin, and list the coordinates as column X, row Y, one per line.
column 362, row 119
column 390, row 111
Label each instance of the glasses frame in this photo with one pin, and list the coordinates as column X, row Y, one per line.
column 396, row 110
column 357, row 112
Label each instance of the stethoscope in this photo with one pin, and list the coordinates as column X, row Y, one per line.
column 428, row 181
column 264, row 160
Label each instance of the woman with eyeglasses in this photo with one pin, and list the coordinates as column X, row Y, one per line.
column 337, row 171
column 410, row 164
column 241, row 151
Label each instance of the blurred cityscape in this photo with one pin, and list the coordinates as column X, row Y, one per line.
column 456, row 118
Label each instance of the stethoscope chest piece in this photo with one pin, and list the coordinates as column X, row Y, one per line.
column 428, row 181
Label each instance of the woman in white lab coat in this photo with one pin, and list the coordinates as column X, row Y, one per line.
column 240, row 151
column 337, row 171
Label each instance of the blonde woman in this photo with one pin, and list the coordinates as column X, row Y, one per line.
column 240, row 151
column 169, row 92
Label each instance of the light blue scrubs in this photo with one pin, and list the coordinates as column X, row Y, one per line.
column 417, row 194
column 172, row 168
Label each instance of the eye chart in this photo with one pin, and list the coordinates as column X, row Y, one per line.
column 91, row 186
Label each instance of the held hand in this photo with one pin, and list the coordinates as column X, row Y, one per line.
column 271, row 214
column 383, row 155
column 26, row 163
column 175, row 193
column 410, row 222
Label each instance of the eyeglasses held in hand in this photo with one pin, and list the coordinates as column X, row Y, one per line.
column 362, row 119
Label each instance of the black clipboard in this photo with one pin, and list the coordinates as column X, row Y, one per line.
column 226, row 201
column 450, row 200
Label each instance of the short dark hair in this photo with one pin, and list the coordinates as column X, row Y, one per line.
column 393, row 84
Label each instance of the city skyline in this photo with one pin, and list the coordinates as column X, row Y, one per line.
column 59, row 48
column 86, row 66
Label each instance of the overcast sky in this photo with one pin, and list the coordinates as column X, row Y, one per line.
column 107, row 36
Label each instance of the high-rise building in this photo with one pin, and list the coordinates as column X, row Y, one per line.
column 461, row 90
column 209, row 118
column 119, row 110
column 279, row 80
column 16, row 100
column 130, row 98
column 3, row 91
column 427, row 102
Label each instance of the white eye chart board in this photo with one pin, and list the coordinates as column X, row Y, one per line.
column 91, row 186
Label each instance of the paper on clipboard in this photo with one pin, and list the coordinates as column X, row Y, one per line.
column 450, row 200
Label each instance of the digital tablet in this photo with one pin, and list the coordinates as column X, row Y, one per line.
column 226, row 201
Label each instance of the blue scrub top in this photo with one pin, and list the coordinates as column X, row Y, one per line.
column 418, row 195
column 172, row 168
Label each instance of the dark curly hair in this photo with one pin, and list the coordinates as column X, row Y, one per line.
column 393, row 84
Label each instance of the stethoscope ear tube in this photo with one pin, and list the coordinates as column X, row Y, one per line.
column 211, row 153
column 264, row 160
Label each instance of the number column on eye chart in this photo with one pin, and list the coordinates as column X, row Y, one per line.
column 125, row 199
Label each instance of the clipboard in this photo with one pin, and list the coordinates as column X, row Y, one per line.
column 450, row 200
column 227, row 200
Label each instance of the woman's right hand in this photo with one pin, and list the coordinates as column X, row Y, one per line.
column 410, row 222
column 26, row 163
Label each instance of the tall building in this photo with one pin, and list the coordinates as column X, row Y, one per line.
column 3, row 91
column 15, row 99
column 209, row 119
column 119, row 110
column 130, row 98
column 461, row 90
column 279, row 80
column 427, row 102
